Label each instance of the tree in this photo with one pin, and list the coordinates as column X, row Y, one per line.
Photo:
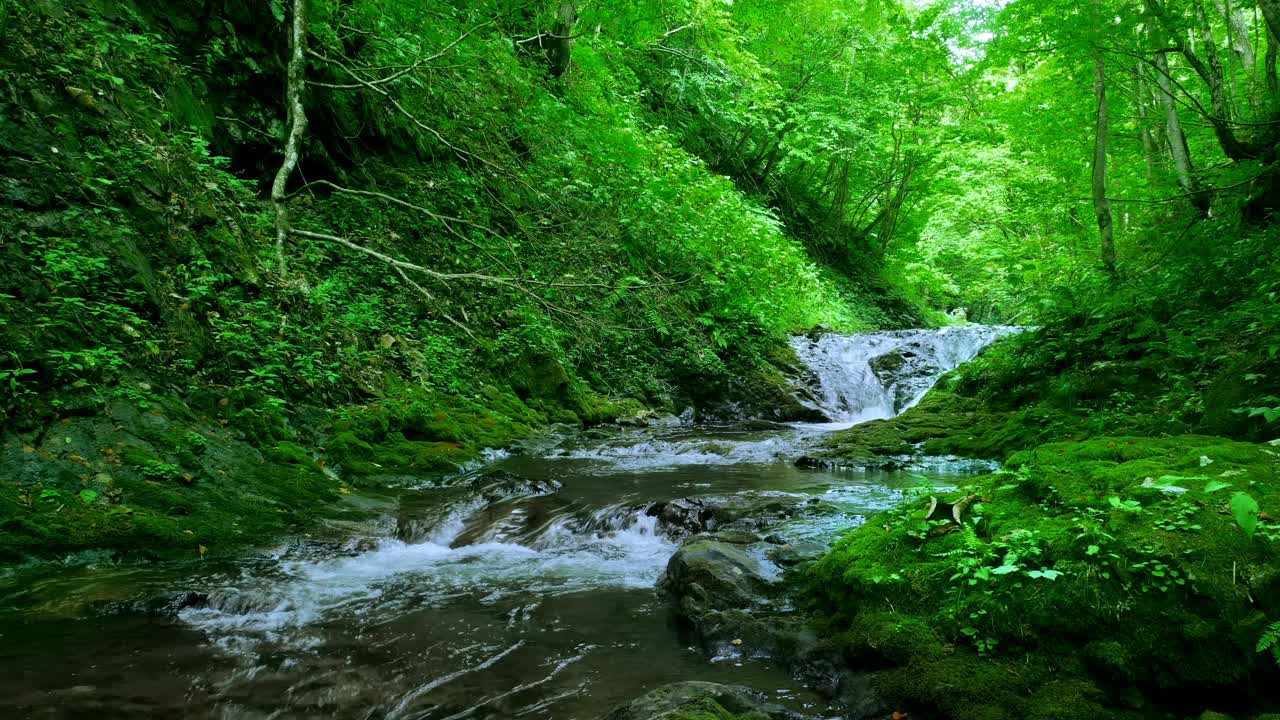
column 1101, row 203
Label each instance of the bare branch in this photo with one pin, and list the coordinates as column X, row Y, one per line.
column 416, row 64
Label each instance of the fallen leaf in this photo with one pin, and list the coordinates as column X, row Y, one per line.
column 28, row 449
column 901, row 716
column 386, row 341
column 187, row 532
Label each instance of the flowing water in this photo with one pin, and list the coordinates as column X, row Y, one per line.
column 523, row 590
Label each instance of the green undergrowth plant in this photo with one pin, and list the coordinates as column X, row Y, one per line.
column 1077, row 550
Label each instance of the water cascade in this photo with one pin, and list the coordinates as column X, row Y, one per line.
column 858, row 378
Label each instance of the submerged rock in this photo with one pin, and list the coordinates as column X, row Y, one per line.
column 687, row 700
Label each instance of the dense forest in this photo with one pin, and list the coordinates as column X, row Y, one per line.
column 337, row 275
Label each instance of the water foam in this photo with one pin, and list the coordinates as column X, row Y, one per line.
column 859, row 378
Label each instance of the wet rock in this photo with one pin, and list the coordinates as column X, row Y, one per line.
column 700, row 699
column 736, row 537
column 171, row 604
column 683, row 516
column 708, row 574
column 501, row 485
column 885, row 366
column 763, row 425
column 794, row 554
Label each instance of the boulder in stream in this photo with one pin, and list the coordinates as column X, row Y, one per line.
column 680, row 701
column 711, row 574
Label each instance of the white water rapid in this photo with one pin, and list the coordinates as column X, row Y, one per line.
column 859, row 378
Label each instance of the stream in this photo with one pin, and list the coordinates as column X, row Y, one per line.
column 524, row 589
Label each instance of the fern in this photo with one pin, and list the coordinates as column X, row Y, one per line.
column 277, row 9
column 1270, row 640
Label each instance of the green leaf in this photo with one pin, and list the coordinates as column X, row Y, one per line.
column 1245, row 510
column 1216, row 485
column 1092, row 550
column 88, row 496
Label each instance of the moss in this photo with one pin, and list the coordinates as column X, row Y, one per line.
column 944, row 423
column 1148, row 586
column 287, row 453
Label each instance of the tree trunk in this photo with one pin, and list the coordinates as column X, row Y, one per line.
column 1178, row 149
column 295, row 84
column 1273, row 55
column 1271, row 12
column 1102, row 205
column 1144, row 123
column 1238, row 34
column 1219, row 115
column 560, row 44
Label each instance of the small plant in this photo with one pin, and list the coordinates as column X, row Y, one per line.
column 1156, row 575
column 157, row 470
column 1182, row 520
column 1129, row 506
column 1270, row 641
column 1245, row 511
column 985, row 645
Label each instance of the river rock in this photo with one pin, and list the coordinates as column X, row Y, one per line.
column 700, row 699
column 796, row 553
column 683, row 516
column 502, row 485
column 709, row 574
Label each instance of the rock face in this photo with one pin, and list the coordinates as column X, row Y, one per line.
column 682, row 701
column 709, row 574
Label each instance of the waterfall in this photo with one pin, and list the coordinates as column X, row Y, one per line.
column 857, row 378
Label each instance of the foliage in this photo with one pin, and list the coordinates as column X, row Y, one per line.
column 1052, row 564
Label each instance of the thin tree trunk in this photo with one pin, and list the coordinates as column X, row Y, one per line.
column 1273, row 55
column 1178, row 150
column 1238, row 34
column 1148, row 139
column 1101, row 204
column 1217, row 74
column 295, row 84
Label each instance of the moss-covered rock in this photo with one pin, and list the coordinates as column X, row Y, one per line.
column 945, row 423
column 710, row 574
column 1110, row 564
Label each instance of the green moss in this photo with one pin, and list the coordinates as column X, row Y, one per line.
column 1075, row 552
column 944, row 423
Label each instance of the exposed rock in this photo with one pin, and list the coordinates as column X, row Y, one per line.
column 736, row 537
column 700, row 699
column 683, row 516
column 501, row 485
column 708, row 574
column 794, row 554
column 171, row 604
